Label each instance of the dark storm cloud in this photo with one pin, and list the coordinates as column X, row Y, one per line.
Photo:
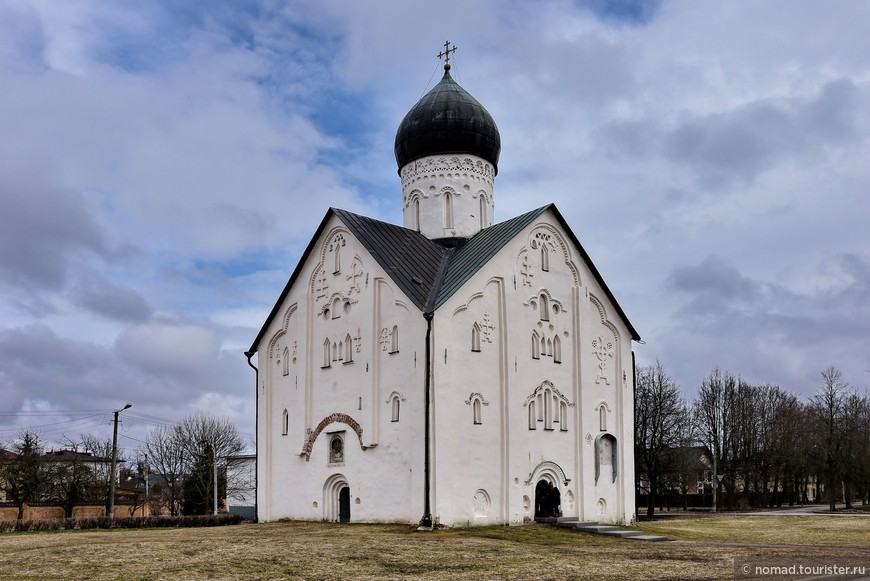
column 99, row 295
column 737, row 145
column 714, row 283
column 42, row 227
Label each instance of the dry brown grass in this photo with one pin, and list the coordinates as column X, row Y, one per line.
column 296, row 550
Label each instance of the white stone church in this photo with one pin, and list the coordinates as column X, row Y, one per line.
column 448, row 370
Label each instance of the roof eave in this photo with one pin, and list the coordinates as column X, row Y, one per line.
column 299, row 265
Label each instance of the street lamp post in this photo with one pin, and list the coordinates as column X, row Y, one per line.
column 111, row 509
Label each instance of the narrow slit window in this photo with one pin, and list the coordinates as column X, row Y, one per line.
column 395, row 406
column 545, row 258
column 415, row 214
column 285, row 423
column 348, row 349
column 448, row 210
column 545, row 308
column 548, row 410
column 482, row 211
column 557, row 349
column 475, row 337
column 602, row 418
column 327, row 356
column 563, row 416
column 475, row 406
column 533, row 419
column 536, row 346
column 286, row 361
column 394, row 340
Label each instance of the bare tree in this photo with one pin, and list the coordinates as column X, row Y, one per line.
column 100, row 448
column 660, row 415
column 714, row 415
column 166, row 454
column 207, row 441
column 829, row 405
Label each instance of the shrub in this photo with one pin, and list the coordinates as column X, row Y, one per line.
column 104, row 522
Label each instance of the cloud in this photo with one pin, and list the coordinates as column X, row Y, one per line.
column 101, row 296
column 44, row 227
column 741, row 143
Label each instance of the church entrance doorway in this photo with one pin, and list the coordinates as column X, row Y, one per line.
column 336, row 499
column 344, row 504
column 548, row 501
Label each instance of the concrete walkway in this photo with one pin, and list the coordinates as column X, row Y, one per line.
column 574, row 523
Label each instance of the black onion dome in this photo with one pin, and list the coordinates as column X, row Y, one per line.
column 447, row 120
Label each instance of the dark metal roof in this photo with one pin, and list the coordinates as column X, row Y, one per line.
column 478, row 250
column 430, row 273
column 446, row 120
column 413, row 261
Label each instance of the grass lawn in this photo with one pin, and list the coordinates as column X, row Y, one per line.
column 301, row 550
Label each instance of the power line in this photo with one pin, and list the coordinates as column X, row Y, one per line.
column 51, row 424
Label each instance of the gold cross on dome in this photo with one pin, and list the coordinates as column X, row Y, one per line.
column 446, row 54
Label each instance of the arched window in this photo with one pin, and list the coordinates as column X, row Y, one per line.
column 348, row 349
column 475, row 407
column 549, row 347
column 536, row 346
column 545, row 258
column 602, row 418
column 285, row 423
column 475, row 337
column 286, row 360
column 334, row 351
column 448, row 210
column 545, row 308
column 533, row 419
column 482, row 199
column 563, row 416
column 337, row 256
column 415, row 214
column 336, row 308
column 394, row 340
column 395, row 406
column 557, row 349
column 327, row 353
column 548, row 410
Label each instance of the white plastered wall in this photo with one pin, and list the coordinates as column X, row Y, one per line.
column 383, row 468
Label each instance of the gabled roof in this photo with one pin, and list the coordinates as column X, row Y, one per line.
column 478, row 250
column 413, row 261
column 427, row 272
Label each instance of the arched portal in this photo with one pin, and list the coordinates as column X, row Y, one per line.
column 336, row 499
column 548, row 498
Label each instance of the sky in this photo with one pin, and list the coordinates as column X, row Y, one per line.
column 163, row 165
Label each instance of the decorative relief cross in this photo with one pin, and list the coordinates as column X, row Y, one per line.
column 446, row 54
column 486, row 328
column 321, row 286
column 385, row 339
column 355, row 274
column 525, row 271
column 358, row 340
column 603, row 350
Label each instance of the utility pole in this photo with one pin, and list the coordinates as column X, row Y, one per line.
column 147, row 510
column 111, row 509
